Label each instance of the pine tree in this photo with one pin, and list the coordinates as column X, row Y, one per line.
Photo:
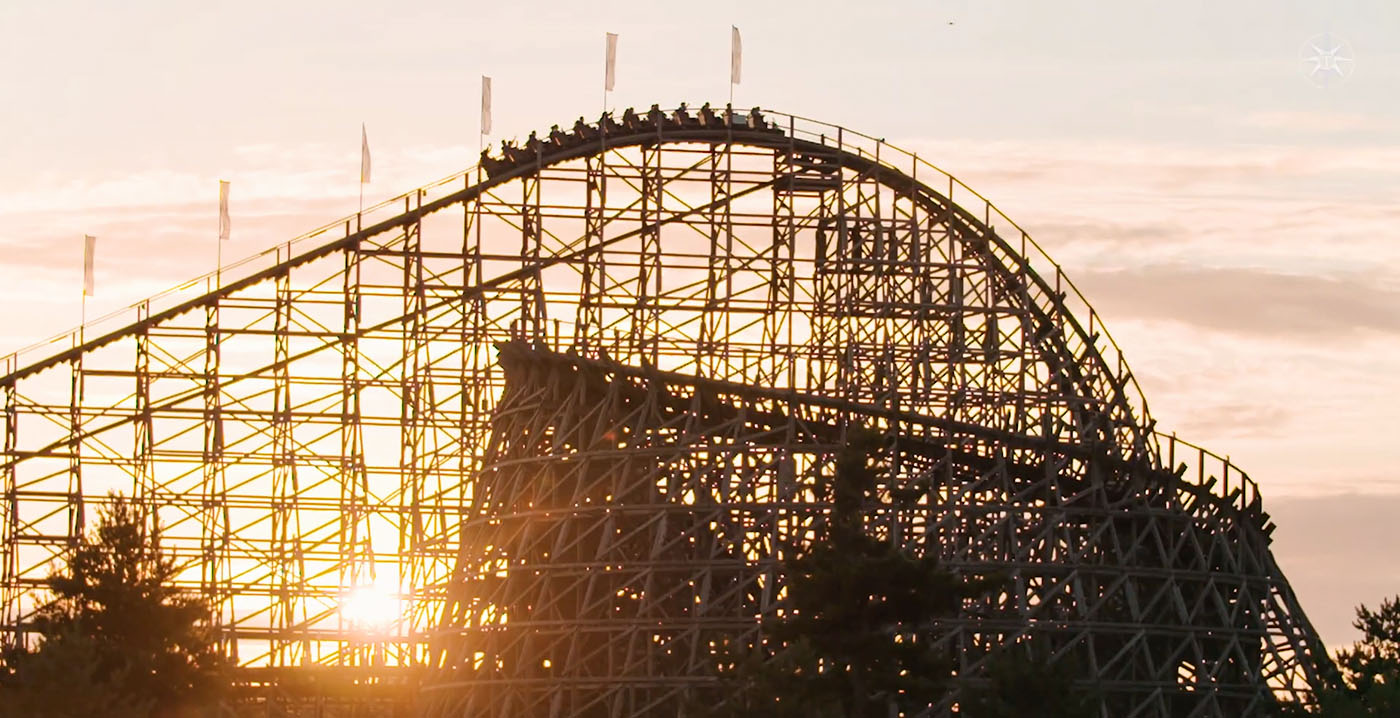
column 1367, row 682
column 1372, row 665
column 1022, row 682
column 117, row 633
column 856, row 639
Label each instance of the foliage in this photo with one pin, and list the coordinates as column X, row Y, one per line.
column 1022, row 682
column 70, row 676
column 117, row 634
column 856, row 637
column 1366, row 680
column 1371, row 667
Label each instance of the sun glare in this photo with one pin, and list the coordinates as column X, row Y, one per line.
column 372, row 608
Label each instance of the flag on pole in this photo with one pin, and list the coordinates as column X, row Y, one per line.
column 610, row 76
column 364, row 155
column 485, row 105
column 736, row 55
column 89, row 249
column 224, row 224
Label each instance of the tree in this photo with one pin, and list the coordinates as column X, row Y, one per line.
column 70, row 675
column 1367, row 680
column 1371, row 667
column 1022, row 682
column 857, row 635
column 117, row 634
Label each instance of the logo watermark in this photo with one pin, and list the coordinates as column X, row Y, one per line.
column 1326, row 60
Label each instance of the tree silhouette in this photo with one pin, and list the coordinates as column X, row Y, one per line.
column 1367, row 680
column 1023, row 683
column 1371, row 667
column 117, row 635
column 857, row 635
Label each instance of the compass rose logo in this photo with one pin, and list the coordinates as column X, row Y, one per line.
column 1326, row 60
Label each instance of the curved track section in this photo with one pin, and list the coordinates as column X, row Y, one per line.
column 334, row 422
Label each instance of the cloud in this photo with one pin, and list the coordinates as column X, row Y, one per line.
column 1313, row 121
column 1247, row 301
column 1113, row 234
column 295, row 173
column 1061, row 164
column 1235, row 420
column 141, row 239
column 1306, row 209
column 156, row 228
column 1299, row 413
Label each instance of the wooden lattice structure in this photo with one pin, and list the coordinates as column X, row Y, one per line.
column 566, row 407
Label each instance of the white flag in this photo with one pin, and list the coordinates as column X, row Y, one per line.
column 364, row 155
column 736, row 55
column 224, row 224
column 610, row 75
column 485, row 105
column 89, row 249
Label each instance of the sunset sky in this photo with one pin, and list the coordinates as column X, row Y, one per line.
column 1234, row 223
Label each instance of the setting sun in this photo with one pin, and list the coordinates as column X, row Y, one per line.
column 373, row 607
